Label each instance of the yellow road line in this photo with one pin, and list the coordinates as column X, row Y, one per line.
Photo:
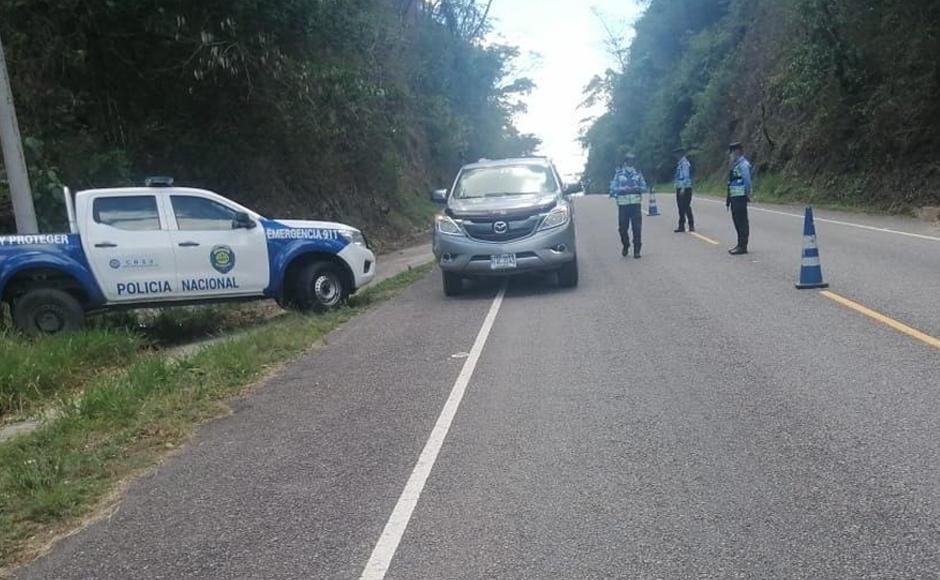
column 703, row 238
column 899, row 326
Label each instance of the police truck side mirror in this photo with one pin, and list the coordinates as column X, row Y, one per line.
column 243, row 221
column 439, row 196
column 573, row 188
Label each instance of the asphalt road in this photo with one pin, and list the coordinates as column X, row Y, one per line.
column 689, row 414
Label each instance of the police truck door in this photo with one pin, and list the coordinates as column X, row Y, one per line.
column 216, row 255
column 129, row 248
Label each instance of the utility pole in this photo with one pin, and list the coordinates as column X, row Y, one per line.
column 13, row 159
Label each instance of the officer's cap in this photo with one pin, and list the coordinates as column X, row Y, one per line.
column 629, row 156
column 736, row 146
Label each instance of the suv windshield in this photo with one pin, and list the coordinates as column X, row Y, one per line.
column 522, row 179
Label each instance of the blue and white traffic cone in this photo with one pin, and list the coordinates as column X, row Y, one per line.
column 810, row 269
column 654, row 210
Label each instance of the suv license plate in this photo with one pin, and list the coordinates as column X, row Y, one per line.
column 503, row 262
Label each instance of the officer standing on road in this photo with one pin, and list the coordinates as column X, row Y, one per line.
column 684, row 191
column 739, row 195
column 627, row 188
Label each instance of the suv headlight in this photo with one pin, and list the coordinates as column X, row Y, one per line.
column 556, row 218
column 447, row 226
column 354, row 237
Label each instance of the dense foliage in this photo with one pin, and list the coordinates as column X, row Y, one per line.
column 838, row 98
column 326, row 108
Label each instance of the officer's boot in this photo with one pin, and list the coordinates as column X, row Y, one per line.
column 636, row 252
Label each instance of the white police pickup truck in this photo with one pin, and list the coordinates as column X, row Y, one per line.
column 159, row 245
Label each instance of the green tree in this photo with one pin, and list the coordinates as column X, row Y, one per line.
column 305, row 107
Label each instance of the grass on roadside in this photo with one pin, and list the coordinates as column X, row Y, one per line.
column 54, row 477
column 33, row 373
column 36, row 372
column 845, row 194
column 176, row 325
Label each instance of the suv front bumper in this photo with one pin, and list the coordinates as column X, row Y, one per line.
column 547, row 250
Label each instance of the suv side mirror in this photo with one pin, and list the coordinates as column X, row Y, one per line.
column 243, row 221
column 439, row 196
column 573, row 188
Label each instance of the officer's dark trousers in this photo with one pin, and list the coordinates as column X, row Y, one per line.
column 741, row 222
column 684, row 201
column 631, row 216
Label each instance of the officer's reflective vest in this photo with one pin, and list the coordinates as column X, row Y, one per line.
column 737, row 184
column 684, row 174
column 628, row 186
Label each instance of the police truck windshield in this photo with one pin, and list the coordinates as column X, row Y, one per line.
column 523, row 179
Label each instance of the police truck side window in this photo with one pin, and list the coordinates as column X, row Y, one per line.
column 134, row 213
column 200, row 214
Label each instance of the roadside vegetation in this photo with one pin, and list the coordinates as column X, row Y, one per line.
column 38, row 373
column 835, row 100
column 126, row 419
column 327, row 109
column 775, row 188
column 171, row 326
column 34, row 373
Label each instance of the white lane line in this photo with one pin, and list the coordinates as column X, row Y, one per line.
column 704, row 238
column 385, row 549
column 837, row 222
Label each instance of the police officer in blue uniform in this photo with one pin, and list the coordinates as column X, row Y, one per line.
column 627, row 188
column 683, row 183
column 739, row 195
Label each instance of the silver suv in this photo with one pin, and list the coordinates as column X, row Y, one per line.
column 506, row 217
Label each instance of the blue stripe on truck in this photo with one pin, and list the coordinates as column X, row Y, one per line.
column 62, row 252
column 286, row 243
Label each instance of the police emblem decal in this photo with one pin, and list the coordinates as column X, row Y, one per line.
column 222, row 259
column 114, row 263
column 500, row 227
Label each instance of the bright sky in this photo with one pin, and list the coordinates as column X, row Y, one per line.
column 563, row 46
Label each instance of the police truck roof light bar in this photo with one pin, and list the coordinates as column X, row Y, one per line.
column 158, row 181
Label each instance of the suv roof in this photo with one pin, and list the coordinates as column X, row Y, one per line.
column 514, row 161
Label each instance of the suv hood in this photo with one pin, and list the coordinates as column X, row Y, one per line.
column 503, row 205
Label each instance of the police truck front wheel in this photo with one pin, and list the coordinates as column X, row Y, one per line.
column 47, row 311
column 321, row 287
column 453, row 284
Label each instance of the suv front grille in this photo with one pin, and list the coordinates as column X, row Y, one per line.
column 486, row 230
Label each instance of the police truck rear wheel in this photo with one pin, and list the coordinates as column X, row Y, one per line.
column 321, row 287
column 47, row 311
column 453, row 284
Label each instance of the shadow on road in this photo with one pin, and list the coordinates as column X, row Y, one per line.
column 536, row 284
column 518, row 286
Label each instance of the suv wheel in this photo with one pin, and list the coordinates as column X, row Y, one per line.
column 453, row 284
column 47, row 311
column 568, row 275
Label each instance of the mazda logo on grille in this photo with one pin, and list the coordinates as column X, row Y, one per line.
column 500, row 227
